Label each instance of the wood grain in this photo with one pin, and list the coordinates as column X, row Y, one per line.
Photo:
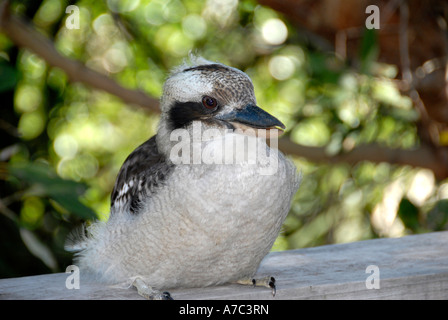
column 412, row 267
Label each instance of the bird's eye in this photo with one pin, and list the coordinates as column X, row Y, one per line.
column 209, row 102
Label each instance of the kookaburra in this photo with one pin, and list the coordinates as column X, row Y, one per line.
column 190, row 223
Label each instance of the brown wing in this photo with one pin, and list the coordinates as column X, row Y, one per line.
column 143, row 171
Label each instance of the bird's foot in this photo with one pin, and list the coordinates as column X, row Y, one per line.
column 268, row 282
column 149, row 293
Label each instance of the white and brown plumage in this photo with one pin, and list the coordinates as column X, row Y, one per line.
column 192, row 225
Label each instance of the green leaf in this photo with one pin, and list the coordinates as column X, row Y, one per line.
column 39, row 249
column 369, row 50
column 8, row 77
column 438, row 216
column 46, row 183
column 408, row 213
column 325, row 68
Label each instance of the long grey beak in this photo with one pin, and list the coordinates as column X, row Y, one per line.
column 254, row 117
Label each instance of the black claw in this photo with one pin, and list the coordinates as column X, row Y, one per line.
column 166, row 296
column 272, row 286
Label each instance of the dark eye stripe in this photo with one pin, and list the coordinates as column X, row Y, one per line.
column 181, row 114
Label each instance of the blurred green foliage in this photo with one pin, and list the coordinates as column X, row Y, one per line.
column 63, row 143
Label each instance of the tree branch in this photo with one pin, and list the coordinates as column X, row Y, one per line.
column 23, row 35
column 423, row 157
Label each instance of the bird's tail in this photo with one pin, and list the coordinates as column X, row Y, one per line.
column 78, row 239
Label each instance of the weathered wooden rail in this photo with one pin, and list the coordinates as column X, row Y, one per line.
column 411, row 267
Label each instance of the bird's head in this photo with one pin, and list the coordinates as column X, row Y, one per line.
column 219, row 96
